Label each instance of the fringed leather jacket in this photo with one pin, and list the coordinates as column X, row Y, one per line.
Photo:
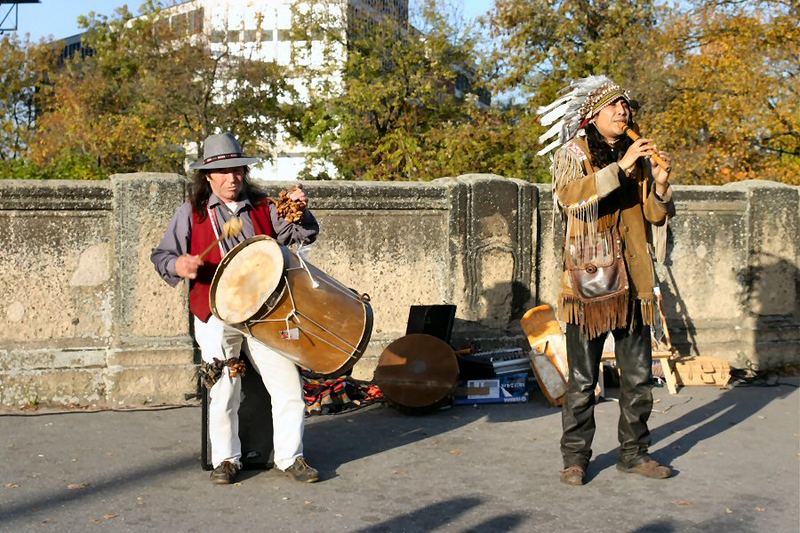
column 593, row 200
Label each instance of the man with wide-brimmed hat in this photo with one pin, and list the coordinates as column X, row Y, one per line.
column 614, row 201
column 221, row 193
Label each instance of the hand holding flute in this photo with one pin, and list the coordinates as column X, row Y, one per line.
column 645, row 148
column 654, row 155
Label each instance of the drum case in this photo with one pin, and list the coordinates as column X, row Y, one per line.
column 255, row 423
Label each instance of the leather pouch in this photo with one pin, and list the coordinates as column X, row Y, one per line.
column 595, row 266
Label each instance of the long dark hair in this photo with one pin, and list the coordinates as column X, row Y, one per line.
column 201, row 191
column 603, row 154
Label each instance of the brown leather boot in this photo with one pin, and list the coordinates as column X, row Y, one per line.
column 573, row 475
column 302, row 471
column 648, row 468
column 225, row 473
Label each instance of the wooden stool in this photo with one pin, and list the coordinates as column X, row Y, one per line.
column 664, row 356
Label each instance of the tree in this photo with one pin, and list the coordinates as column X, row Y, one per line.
column 389, row 101
column 23, row 88
column 544, row 43
column 152, row 85
column 716, row 79
column 731, row 107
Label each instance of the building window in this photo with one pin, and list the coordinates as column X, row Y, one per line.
column 180, row 24
column 161, row 27
column 196, row 21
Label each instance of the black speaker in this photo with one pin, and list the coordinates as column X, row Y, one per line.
column 255, row 422
column 434, row 320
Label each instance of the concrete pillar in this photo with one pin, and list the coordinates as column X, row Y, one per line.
column 151, row 357
column 771, row 279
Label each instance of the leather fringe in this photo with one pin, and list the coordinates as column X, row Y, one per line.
column 648, row 306
column 566, row 167
column 595, row 317
column 659, row 234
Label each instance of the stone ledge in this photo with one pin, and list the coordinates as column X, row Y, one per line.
column 150, row 356
column 150, row 385
column 113, row 386
column 55, row 195
column 56, row 387
column 52, row 359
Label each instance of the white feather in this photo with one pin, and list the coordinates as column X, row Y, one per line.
column 554, row 130
column 544, row 109
column 563, row 113
column 553, row 145
column 554, row 114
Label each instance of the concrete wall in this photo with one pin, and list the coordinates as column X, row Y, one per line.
column 84, row 319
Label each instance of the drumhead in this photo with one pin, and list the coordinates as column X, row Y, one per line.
column 417, row 370
column 245, row 278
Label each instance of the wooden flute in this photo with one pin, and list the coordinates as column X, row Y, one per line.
column 660, row 162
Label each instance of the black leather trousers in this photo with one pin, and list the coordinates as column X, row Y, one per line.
column 634, row 360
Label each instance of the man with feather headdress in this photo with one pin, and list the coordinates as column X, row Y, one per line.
column 615, row 203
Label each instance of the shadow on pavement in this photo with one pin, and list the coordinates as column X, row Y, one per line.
column 339, row 439
column 713, row 418
column 99, row 488
column 439, row 514
column 716, row 417
column 768, row 285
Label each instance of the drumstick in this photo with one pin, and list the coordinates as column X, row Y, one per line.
column 231, row 228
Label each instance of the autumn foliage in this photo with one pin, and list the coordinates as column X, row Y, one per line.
column 717, row 81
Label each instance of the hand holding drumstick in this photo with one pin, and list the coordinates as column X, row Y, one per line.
column 186, row 265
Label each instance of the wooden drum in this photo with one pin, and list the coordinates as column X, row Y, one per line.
column 417, row 371
column 266, row 290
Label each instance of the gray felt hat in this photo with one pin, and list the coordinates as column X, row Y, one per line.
column 222, row 151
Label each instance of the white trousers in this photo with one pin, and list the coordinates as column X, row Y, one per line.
column 281, row 378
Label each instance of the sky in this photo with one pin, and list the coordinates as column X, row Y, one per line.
column 59, row 18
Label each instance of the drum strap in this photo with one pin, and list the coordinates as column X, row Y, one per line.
column 216, row 228
column 300, row 251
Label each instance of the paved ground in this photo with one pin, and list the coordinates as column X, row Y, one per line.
column 489, row 468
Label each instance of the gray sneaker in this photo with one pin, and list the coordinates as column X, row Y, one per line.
column 301, row 471
column 225, row 473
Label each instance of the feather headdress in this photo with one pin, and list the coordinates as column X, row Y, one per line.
column 583, row 99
